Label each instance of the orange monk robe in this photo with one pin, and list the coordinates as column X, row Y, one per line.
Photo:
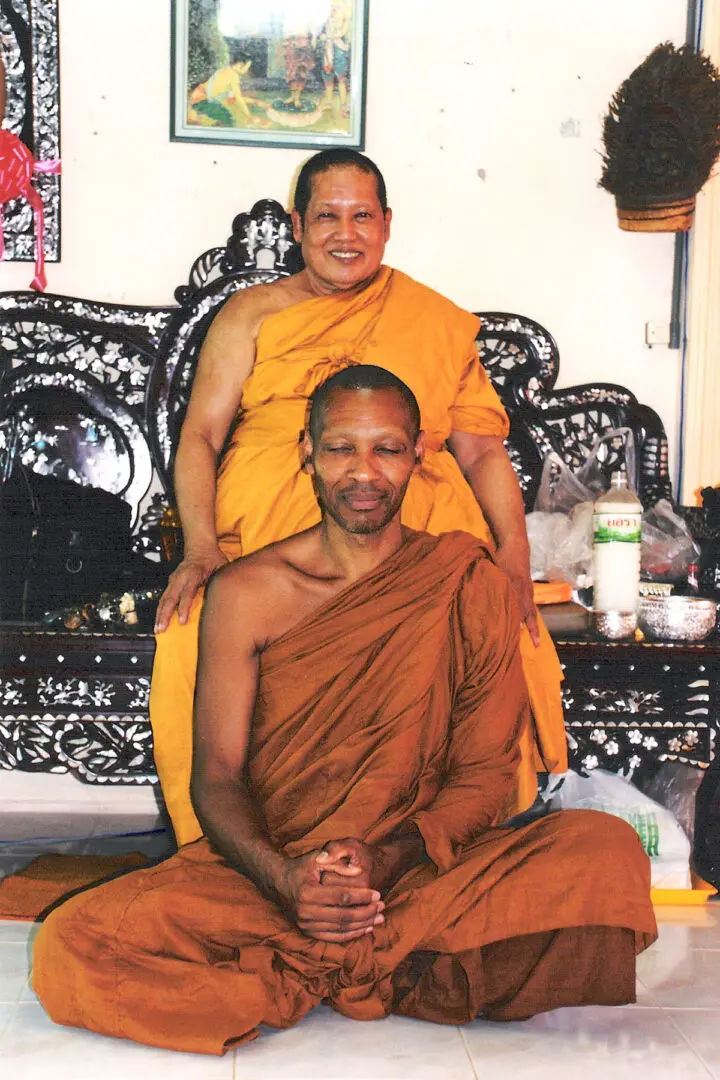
column 401, row 699
column 263, row 496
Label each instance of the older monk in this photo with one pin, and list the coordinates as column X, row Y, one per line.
column 359, row 711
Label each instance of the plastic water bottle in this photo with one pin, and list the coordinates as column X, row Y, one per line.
column 617, row 534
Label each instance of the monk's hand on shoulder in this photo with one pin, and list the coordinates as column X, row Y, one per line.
column 184, row 583
column 514, row 561
column 328, row 912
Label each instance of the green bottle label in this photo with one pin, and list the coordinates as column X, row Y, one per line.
column 617, row 528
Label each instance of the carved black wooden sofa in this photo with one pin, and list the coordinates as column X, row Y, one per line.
column 120, row 379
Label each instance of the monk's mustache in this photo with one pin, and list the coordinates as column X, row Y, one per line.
column 363, row 490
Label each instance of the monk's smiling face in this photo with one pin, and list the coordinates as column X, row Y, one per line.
column 344, row 232
column 363, row 457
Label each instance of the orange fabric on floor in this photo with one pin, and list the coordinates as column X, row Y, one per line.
column 29, row 892
column 401, row 699
column 263, row 495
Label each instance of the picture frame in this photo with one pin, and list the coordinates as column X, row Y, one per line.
column 30, row 53
column 281, row 73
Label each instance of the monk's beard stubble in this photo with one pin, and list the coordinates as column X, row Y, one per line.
column 353, row 522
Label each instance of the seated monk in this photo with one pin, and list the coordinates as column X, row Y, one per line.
column 359, row 707
column 266, row 350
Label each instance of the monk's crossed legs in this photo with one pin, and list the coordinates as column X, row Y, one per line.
column 189, row 956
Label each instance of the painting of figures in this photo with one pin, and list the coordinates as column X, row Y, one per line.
column 269, row 73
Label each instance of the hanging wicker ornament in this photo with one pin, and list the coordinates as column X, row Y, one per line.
column 662, row 138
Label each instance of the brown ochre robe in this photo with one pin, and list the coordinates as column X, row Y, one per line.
column 264, row 494
column 401, row 699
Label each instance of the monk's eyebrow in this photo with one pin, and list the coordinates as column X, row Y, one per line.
column 332, row 205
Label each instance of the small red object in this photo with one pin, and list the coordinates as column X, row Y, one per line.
column 17, row 167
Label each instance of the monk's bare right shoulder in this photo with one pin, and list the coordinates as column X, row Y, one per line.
column 242, row 580
column 244, row 596
column 248, row 308
column 245, row 311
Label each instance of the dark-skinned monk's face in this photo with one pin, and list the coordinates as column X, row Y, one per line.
column 363, row 458
column 344, row 233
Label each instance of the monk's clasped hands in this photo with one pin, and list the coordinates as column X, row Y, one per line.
column 329, row 898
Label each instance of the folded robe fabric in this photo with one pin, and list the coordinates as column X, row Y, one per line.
column 263, row 495
column 402, row 699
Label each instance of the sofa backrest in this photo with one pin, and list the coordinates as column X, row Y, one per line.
column 96, row 392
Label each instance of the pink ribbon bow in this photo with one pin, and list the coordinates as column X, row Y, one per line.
column 17, row 167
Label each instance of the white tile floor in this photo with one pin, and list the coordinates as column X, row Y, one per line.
column 673, row 1031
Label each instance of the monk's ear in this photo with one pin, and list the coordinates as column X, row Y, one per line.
column 297, row 226
column 306, row 455
column 388, row 219
column 419, row 449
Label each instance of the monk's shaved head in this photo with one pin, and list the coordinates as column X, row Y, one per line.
column 337, row 157
column 361, row 377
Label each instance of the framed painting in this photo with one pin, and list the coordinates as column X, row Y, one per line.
column 270, row 73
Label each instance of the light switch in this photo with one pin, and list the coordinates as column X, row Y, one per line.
column 657, row 333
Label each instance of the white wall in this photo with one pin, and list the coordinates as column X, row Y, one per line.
column 453, row 88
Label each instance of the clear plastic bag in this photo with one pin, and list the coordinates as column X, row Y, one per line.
column 675, row 786
column 561, row 489
column 667, row 546
column 662, row 837
column 561, row 545
column 560, row 527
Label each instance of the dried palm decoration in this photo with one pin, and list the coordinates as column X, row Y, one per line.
column 662, row 138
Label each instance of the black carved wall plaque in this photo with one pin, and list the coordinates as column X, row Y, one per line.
column 29, row 49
